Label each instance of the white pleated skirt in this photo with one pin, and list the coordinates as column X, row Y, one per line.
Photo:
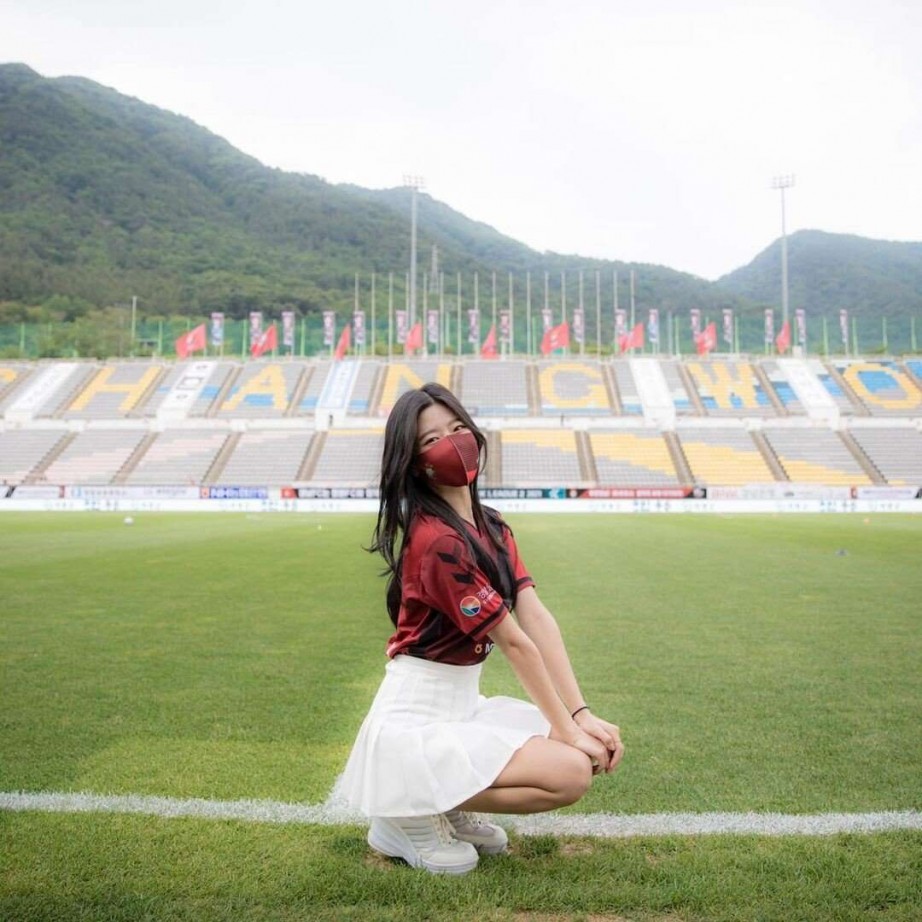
column 431, row 740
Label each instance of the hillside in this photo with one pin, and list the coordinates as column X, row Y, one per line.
column 104, row 196
column 830, row 271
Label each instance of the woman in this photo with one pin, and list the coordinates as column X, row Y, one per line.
column 433, row 754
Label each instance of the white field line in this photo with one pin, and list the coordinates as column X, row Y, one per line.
column 598, row 825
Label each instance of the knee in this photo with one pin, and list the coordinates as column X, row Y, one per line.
column 574, row 779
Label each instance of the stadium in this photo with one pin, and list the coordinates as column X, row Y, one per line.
column 722, row 516
column 278, row 432
column 169, row 687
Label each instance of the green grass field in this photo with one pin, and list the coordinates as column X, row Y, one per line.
column 754, row 663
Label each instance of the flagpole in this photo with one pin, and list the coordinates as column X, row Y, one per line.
column 510, row 346
column 390, row 314
column 614, row 314
column 547, row 298
column 633, row 320
column 563, row 295
column 598, row 313
column 582, row 313
column 494, row 298
column 458, row 293
column 528, row 332
column 476, row 346
column 373, row 313
column 442, row 331
column 355, row 301
column 425, row 313
column 134, row 316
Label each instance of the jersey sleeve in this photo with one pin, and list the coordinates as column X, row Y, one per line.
column 519, row 572
column 451, row 582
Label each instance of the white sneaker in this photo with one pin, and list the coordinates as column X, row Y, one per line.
column 423, row 842
column 487, row 838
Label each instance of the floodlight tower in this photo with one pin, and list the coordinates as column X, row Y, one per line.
column 781, row 183
column 414, row 184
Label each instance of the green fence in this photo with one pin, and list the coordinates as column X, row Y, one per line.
column 79, row 339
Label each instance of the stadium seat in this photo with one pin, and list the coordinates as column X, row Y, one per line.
column 815, row 456
column 638, row 458
column 539, row 456
column 723, row 457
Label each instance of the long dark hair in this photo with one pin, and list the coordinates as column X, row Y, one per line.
column 404, row 494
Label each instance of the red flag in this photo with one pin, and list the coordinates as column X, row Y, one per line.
column 193, row 341
column 488, row 349
column 265, row 342
column 414, row 339
column 344, row 342
column 632, row 340
column 706, row 340
column 556, row 338
column 783, row 339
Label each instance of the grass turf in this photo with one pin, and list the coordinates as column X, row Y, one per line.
column 754, row 663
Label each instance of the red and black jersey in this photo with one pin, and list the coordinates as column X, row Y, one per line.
column 447, row 605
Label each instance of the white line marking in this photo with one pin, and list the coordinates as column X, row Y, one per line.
column 598, row 825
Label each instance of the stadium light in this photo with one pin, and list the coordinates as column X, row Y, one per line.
column 414, row 184
column 781, row 183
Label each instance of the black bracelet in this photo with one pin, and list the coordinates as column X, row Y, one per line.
column 585, row 707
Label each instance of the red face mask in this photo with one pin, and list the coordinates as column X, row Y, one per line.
column 452, row 461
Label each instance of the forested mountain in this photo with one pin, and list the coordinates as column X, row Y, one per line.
column 830, row 271
column 103, row 197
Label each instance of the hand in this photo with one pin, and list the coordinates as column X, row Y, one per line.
column 579, row 739
column 608, row 734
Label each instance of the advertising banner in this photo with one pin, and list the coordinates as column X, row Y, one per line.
column 358, row 328
column 329, row 328
column 217, row 328
column 473, row 326
column 288, row 329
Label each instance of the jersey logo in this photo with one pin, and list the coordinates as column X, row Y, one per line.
column 470, row 606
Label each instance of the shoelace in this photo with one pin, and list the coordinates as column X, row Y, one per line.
column 443, row 829
column 474, row 820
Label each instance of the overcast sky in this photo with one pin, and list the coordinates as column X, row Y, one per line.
column 645, row 131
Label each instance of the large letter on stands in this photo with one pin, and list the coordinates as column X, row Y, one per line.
column 725, row 381
column 402, row 378
column 888, row 384
column 133, row 390
column 587, row 391
column 267, row 387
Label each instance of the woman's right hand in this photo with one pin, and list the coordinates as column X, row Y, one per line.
column 579, row 739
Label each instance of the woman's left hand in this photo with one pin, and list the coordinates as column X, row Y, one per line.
column 608, row 734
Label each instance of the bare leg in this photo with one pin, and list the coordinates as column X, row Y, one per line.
column 543, row 775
